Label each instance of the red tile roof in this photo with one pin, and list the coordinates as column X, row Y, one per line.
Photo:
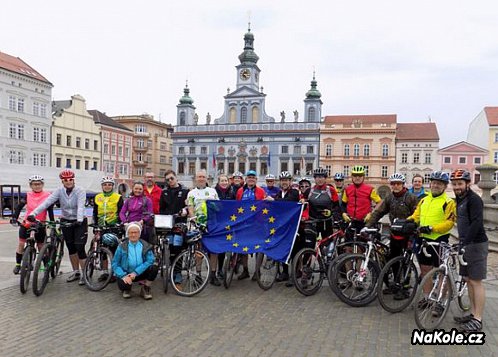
column 416, row 131
column 367, row 119
column 17, row 65
column 491, row 115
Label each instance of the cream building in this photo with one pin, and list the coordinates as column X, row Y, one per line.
column 76, row 141
column 152, row 145
column 368, row 140
column 483, row 132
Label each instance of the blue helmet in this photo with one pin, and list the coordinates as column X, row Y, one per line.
column 110, row 239
column 440, row 176
column 339, row 176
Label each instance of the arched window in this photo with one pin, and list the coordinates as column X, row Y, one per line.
column 243, row 115
column 255, row 114
column 356, row 150
column 366, row 150
column 233, row 113
column 182, row 118
column 311, row 114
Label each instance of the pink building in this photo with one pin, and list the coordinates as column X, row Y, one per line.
column 463, row 155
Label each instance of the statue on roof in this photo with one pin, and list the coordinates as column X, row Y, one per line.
column 208, row 118
column 296, row 115
column 196, row 118
column 282, row 116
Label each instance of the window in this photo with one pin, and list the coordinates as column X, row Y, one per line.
column 181, row 168
column 477, row 161
column 297, row 150
column 123, row 170
column 36, row 159
column 12, row 103
column 284, row 166
column 203, row 150
column 309, row 149
column 447, row 159
column 309, row 168
column 140, row 171
column 346, row 149
column 416, row 157
column 328, row 168
column 252, row 166
column 203, row 165
column 36, row 109
column 428, row 157
column 296, row 168
column 87, row 165
column 496, row 137
column 243, row 115
column 495, row 157
column 140, row 156
column 242, row 167
column 94, row 165
column 140, row 128
column 427, row 178
column 20, row 105
column 120, row 150
column 43, row 110
column 191, row 168
column 345, row 170
column 366, row 150
column 162, row 159
column 462, row 160
column 87, row 144
column 182, row 118
column 385, row 150
column 191, row 150
column 285, row 149
column 149, row 144
column 78, row 142
column 106, row 149
column 221, row 167
column 36, row 134
column 356, row 150
column 367, row 171
column 113, row 149
column 181, row 150
column 68, row 163
column 59, row 139
column 328, row 150
column 264, row 168
column 140, row 143
column 404, row 158
column 78, row 164
column 162, row 147
column 127, row 151
column 16, row 131
column 43, row 135
column 16, row 157
column 68, row 140
column 20, row 131
column 58, row 162
column 311, row 114
column 95, row 145
column 231, row 167
column 383, row 171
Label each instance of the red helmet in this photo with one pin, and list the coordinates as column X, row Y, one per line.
column 66, row 174
column 460, row 174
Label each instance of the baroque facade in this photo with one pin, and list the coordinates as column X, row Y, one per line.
column 245, row 137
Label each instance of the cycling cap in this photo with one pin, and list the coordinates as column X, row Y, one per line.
column 251, row 173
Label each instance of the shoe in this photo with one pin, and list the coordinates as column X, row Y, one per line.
column 282, row 277
column 254, row 277
column 219, row 275
column 422, row 304
column 463, row 319
column 289, row 283
column 473, row 325
column 145, row 292
column 17, row 269
column 103, row 277
column 213, row 280
column 438, row 310
column 401, row 294
column 243, row 275
column 387, row 291
column 113, row 279
column 126, row 294
column 81, row 281
column 75, row 275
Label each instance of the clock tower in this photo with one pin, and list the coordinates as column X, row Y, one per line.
column 248, row 70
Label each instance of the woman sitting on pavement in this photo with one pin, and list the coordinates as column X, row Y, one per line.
column 134, row 261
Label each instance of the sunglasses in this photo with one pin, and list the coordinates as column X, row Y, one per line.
column 170, row 178
column 107, row 184
column 68, row 180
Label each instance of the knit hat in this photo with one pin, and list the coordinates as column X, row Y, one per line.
column 135, row 225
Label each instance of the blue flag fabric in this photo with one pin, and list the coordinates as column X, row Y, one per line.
column 268, row 227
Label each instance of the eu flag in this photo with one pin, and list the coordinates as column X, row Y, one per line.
column 268, row 227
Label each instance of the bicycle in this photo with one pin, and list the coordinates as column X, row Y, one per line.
column 230, row 265
column 50, row 257
column 29, row 255
column 97, row 272
column 354, row 277
column 192, row 264
column 266, row 271
column 165, row 227
column 447, row 285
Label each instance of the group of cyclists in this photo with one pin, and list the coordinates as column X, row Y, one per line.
column 356, row 203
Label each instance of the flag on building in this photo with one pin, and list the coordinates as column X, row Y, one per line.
column 269, row 159
column 245, row 227
column 214, row 161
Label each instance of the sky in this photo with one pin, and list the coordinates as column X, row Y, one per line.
column 423, row 60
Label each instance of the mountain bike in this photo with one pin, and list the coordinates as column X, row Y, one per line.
column 445, row 285
column 230, row 265
column 29, row 255
column 266, row 270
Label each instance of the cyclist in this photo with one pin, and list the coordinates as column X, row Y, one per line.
column 304, row 184
column 223, row 188
column 357, row 199
column 238, row 181
column 134, row 260
column 152, row 191
column 417, row 187
column 197, row 207
column 287, row 193
column 339, row 185
column 250, row 191
column 72, row 203
column 399, row 203
column 475, row 242
column 435, row 214
column 270, row 188
column 33, row 198
column 106, row 208
column 138, row 208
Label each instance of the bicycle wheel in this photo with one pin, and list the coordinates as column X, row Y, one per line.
column 165, row 266
column 398, row 282
column 463, row 295
column 352, row 282
column 26, row 266
column 430, row 310
column 266, row 271
column 58, row 257
column 95, row 275
column 193, row 267
column 41, row 272
column 229, row 264
column 308, row 271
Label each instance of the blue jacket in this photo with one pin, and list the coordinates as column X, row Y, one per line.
column 132, row 258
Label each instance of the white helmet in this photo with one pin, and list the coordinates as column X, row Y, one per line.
column 269, row 177
column 397, row 177
column 36, row 178
column 107, row 179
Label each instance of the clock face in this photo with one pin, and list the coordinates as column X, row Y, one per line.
column 245, row 74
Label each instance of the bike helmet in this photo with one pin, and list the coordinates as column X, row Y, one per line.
column 397, row 177
column 66, row 174
column 251, row 173
column 440, row 176
column 460, row 174
column 339, row 176
column 305, row 179
column 110, row 239
column 285, row 175
column 269, row 177
column 358, row 170
column 320, row 171
column 107, row 179
column 36, row 178
column 238, row 174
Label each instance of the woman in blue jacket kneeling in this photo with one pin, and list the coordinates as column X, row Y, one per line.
column 134, row 260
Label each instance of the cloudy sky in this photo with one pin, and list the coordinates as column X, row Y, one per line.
column 419, row 60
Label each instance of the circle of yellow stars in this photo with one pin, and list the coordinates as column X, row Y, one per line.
column 240, row 211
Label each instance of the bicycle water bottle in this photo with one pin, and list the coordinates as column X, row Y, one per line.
column 330, row 249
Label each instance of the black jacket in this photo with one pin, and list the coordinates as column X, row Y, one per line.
column 173, row 200
column 470, row 211
column 290, row 195
column 229, row 194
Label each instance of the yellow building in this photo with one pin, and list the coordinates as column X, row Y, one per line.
column 483, row 132
column 152, row 145
column 76, row 139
